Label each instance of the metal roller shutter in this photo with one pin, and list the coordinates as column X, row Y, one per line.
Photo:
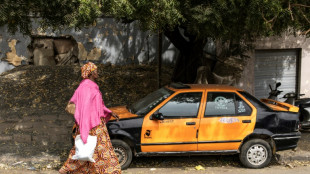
column 272, row 66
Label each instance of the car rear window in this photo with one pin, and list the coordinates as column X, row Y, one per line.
column 226, row 104
column 256, row 102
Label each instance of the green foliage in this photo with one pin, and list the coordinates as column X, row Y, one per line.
column 14, row 14
column 152, row 15
column 87, row 12
column 233, row 21
column 18, row 14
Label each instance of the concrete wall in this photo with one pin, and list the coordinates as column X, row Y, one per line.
column 291, row 42
column 246, row 81
column 31, row 135
column 106, row 41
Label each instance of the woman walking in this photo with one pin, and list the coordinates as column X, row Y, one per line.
column 91, row 116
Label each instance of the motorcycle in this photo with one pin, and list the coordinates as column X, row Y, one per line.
column 273, row 94
column 304, row 108
column 292, row 99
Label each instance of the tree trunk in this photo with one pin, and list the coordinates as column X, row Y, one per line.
column 190, row 57
column 160, row 52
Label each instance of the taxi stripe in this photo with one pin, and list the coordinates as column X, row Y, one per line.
column 199, row 142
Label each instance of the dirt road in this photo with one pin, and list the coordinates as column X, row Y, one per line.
column 179, row 164
column 208, row 170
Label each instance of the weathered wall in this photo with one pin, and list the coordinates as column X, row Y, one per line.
column 35, row 134
column 33, row 98
column 106, row 41
column 5, row 66
column 292, row 42
column 246, row 80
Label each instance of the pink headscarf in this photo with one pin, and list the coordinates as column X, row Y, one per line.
column 89, row 107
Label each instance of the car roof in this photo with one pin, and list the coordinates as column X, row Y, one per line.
column 215, row 87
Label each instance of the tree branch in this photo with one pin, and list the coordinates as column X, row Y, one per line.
column 305, row 16
column 289, row 8
column 305, row 32
column 269, row 21
column 301, row 5
column 176, row 38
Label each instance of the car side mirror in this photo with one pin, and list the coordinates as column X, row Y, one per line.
column 157, row 116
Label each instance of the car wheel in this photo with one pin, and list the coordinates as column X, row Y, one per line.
column 123, row 153
column 255, row 153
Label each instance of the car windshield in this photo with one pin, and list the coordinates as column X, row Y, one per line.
column 146, row 104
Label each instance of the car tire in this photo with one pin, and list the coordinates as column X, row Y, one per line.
column 123, row 153
column 255, row 153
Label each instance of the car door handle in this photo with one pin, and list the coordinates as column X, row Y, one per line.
column 190, row 123
column 246, row 121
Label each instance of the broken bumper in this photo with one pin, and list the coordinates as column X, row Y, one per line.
column 286, row 141
column 305, row 125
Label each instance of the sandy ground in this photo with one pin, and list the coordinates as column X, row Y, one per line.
column 208, row 170
column 290, row 161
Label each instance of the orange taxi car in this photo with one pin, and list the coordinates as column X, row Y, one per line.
column 202, row 119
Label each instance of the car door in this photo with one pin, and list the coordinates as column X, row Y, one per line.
column 178, row 130
column 228, row 118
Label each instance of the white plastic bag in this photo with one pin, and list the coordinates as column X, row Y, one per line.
column 85, row 152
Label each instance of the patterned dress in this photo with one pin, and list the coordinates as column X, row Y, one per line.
column 104, row 155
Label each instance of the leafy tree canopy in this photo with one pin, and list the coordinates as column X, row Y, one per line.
column 187, row 23
column 202, row 18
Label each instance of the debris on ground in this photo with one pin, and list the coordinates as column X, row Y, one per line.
column 31, row 168
column 289, row 166
column 199, row 167
column 17, row 163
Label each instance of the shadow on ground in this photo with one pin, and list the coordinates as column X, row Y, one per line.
column 189, row 161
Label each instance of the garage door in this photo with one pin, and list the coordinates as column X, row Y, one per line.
column 272, row 66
